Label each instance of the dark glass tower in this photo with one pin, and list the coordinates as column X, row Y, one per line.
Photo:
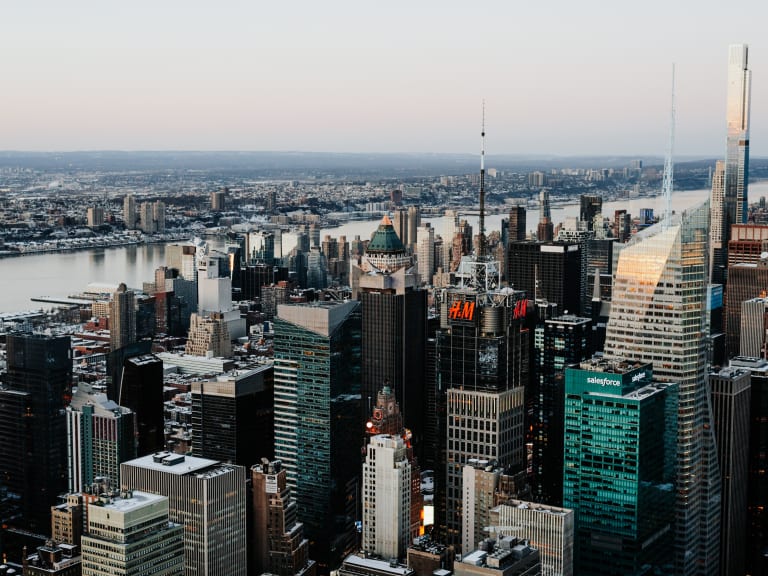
column 33, row 428
column 142, row 391
column 560, row 342
column 394, row 312
column 548, row 270
column 317, row 419
column 233, row 415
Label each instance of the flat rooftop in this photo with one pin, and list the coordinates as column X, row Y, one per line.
column 173, row 463
column 137, row 500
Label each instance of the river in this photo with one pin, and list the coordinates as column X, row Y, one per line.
column 65, row 273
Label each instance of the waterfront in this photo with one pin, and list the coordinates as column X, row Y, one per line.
column 63, row 274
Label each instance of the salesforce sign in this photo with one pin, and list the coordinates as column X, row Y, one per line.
column 613, row 383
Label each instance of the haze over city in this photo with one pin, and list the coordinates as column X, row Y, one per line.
column 558, row 78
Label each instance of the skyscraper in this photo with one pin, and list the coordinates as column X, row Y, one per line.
column 730, row 391
column 516, row 228
column 122, row 318
column 545, row 229
column 394, row 317
column 207, row 498
column 730, row 191
column 129, row 211
column 100, row 436
column 658, row 315
column 620, row 436
column 33, row 429
column 141, row 390
column 317, row 418
column 386, row 497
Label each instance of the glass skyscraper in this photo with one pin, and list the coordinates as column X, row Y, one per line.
column 620, row 434
column 658, row 315
column 730, row 182
column 318, row 435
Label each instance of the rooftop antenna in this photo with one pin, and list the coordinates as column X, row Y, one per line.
column 669, row 168
column 482, row 187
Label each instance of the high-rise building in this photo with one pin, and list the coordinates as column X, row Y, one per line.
column 753, row 328
column 394, row 317
column 483, row 348
column 209, row 336
column 730, row 391
column 425, row 250
column 131, row 535
column 564, row 340
column 549, row 528
column 279, row 545
column 67, row 520
column 387, row 497
column 95, row 216
column 757, row 483
column 590, row 206
column 100, row 436
column 122, row 318
column 129, row 211
column 658, row 315
column 33, row 428
column 745, row 282
column 545, row 229
column 141, row 391
column 207, row 498
column 504, row 556
column 218, row 200
column 232, row 416
column 620, row 436
column 516, row 228
column 729, row 187
column 318, row 435
column 414, row 221
column 547, row 270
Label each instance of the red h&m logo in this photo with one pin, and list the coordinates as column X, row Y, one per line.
column 520, row 310
column 461, row 310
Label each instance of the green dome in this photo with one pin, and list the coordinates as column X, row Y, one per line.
column 385, row 239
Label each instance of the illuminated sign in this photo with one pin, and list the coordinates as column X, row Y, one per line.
column 520, row 310
column 462, row 310
column 604, row 381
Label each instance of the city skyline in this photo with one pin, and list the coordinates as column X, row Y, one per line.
column 342, row 77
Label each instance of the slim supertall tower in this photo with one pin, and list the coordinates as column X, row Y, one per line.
column 659, row 315
column 730, row 183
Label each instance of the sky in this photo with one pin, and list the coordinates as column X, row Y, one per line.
column 558, row 77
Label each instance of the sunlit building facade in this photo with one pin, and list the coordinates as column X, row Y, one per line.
column 658, row 315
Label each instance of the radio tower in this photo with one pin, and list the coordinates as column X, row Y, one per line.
column 669, row 167
column 481, row 255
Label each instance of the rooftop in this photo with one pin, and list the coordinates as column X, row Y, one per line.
column 174, row 463
column 130, row 501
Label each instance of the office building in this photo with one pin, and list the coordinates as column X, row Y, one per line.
column 387, row 480
column 426, row 557
column 100, row 436
column 753, row 328
column 667, row 265
column 619, row 472
column 548, row 271
column 279, row 545
column 591, row 205
column 745, row 282
column 516, row 229
column 209, row 336
column 507, row 556
column 425, row 251
column 730, row 390
column 131, row 535
column 361, row 565
column 545, row 229
column 122, row 318
column 232, row 416
column 67, row 520
column 730, row 186
column 51, row 559
column 483, row 366
column 33, row 427
column 129, row 211
column 317, row 349
column 564, row 340
column 548, row 528
column 394, row 317
column 141, row 391
column 207, row 498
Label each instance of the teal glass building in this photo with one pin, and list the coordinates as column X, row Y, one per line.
column 619, row 472
column 318, row 436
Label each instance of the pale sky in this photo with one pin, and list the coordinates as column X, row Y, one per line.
column 560, row 77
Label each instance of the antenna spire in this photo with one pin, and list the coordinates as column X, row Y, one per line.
column 669, row 167
column 482, row 187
